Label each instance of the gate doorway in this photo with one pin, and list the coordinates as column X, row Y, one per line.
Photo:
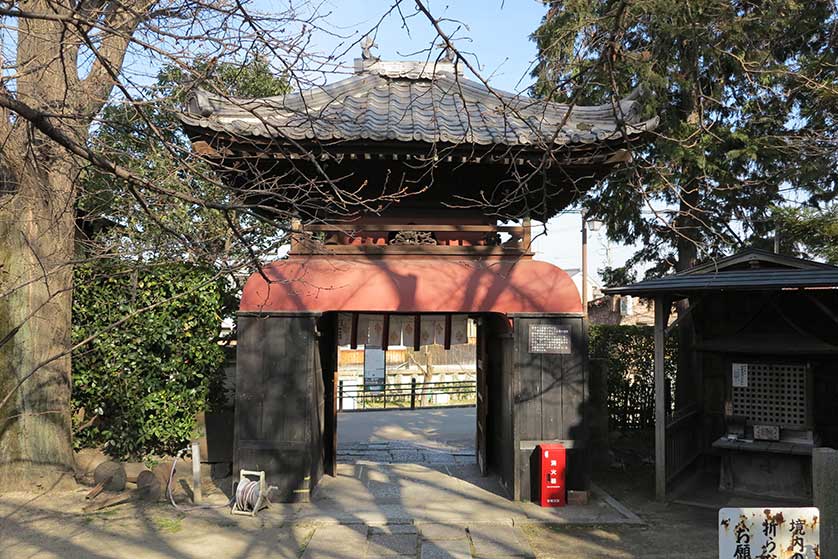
column 416, row 400
column 529, row 361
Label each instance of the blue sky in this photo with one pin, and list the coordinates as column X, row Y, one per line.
column 496, row 34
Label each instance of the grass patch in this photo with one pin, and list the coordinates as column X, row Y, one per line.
column 167, row 524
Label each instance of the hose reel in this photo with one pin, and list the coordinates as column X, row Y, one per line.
column 251, row 495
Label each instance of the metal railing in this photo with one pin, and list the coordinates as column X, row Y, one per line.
column 407, row 395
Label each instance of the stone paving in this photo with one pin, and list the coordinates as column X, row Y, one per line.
column 407, row 452
column 422, row 541
column 382, row 493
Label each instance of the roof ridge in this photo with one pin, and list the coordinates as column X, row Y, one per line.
column 411, row 69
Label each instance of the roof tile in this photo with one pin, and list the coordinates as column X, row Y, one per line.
column 401, row 101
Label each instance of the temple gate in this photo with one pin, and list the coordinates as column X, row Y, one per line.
column 402, row 181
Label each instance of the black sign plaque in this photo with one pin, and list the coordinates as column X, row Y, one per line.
column 549, row 338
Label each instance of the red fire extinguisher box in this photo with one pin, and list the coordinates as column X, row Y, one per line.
column 552, row 488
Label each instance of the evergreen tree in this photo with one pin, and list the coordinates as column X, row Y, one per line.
column 746, row 94
column 149, row 139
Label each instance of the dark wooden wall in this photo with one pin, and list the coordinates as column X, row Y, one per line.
column 550, row 399
column 279, row 409
column 501, row 351
column 328, row 353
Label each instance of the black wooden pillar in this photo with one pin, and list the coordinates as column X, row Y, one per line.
column 550, row 396
column 279, row 402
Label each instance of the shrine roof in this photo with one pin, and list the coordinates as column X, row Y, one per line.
column 404, row 101
column 749, row 270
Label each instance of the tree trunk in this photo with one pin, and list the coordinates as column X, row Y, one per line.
column 37, row 226
column 36, row 250
column 685, row 381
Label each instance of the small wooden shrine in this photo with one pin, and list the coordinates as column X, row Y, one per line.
column 397, row 177
column 760, row 389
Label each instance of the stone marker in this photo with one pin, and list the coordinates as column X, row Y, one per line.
column 149, row 486
column 87, row 459
column 133, row 470
column 111, row 475
column 577, row 497
column 825, row 492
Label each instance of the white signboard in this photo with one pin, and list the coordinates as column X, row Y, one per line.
column 763, row 533
column 548, row 338
column 375, row 369
column 740, row 375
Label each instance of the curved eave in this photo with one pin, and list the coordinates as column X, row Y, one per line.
column 210, row 130
column 221, row 146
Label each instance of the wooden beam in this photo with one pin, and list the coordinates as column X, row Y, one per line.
column 204, row 148
column 417, row 329
column 447, row 344
column 353, row 332
column 427, row 250
column 662, row 305
column 385, row 332
column 381, row 227
column 526, row 234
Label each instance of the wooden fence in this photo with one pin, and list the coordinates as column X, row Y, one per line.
column 683, row 440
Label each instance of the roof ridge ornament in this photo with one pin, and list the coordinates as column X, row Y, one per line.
column 447, row 53
column 366, row 45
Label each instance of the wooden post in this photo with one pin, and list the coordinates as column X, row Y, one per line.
column 417, row 330
column 661, row 318
column 340, row 395
column 413, row 393
column 296, row 231
column 584, row 264
column 333, row 444
column 526, row 239
column 353, row 332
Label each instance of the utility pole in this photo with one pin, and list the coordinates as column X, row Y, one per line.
column 595, row 226
column 584, row 262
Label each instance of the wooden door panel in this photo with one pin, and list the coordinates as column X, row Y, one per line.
column 482, row 400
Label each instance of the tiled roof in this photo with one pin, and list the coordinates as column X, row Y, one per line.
column 410, row 102
column 765, row 271
column 748, row 280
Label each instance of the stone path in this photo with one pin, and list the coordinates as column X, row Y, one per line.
column 407, row 452
column 422, row 541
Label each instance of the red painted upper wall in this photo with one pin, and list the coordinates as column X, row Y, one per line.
column 326, row 283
